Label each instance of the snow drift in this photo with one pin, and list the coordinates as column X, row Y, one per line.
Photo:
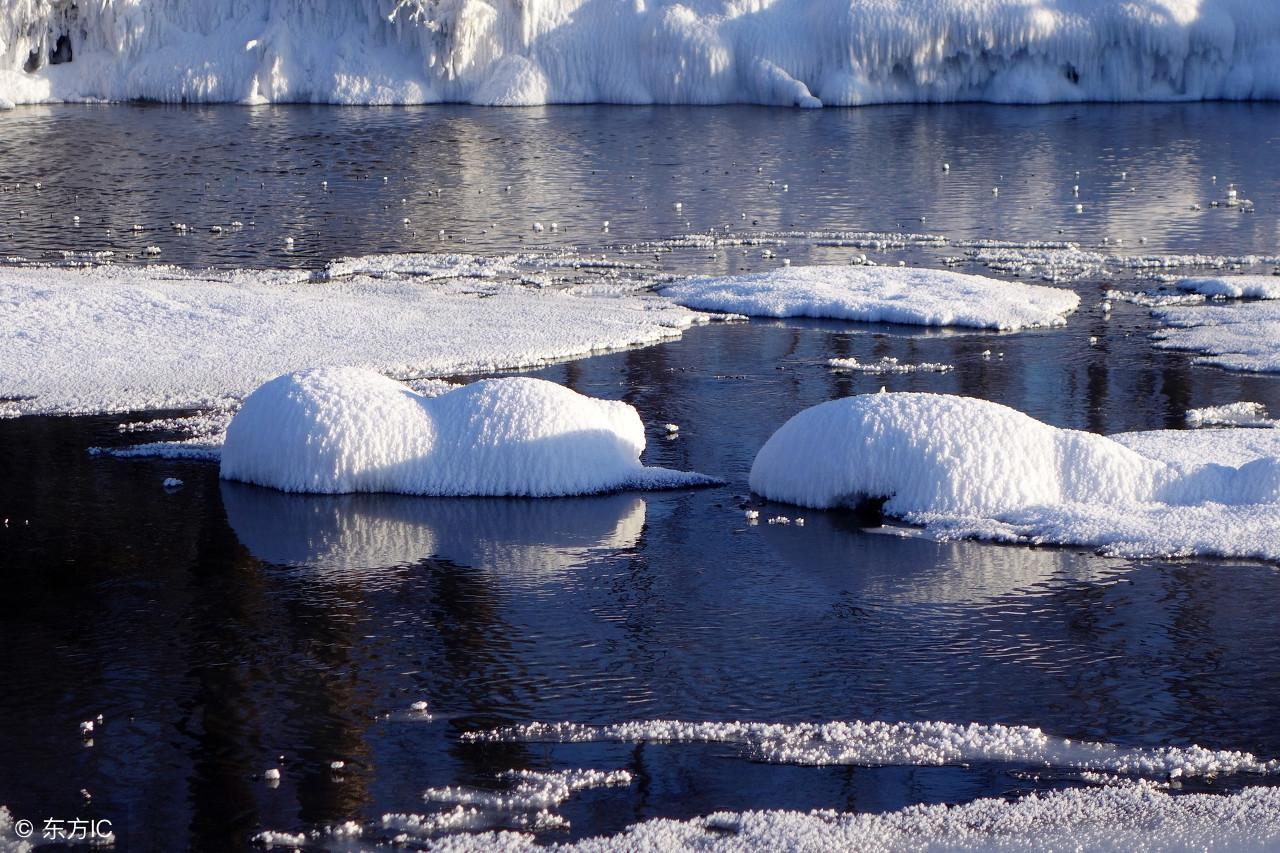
column 790, row 52
column 968, row 467
column 337, row 430
column 920, row 297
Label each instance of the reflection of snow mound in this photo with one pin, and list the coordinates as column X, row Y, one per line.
column 880, row 295
column 792, row 52
column 876, row 744
column 349, row 537
column 969, row 467
column 339, row 430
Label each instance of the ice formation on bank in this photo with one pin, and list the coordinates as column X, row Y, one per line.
column 971, row 468
column 117, row 338
column 339, row 430
column 790, row 52
column 924, row 744
column 880, row 295
column 1122, row 817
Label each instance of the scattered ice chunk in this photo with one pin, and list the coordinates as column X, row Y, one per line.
column 172, row 483
column 271, row 838
column 887, row 364
column 1232, row 414
column 880, row 295
column 419, row 706
column 337, row 430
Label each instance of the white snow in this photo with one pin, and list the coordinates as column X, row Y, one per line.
column 880, row 295
column 9, row 840
column 876, row 744
column 338, row 430
column 1234, row 286
column 792, row 52
column 529, row 790
column 1243, row 336
column 1242, row 414
column 971, row 468
column 1125, row 817
column 115, row 339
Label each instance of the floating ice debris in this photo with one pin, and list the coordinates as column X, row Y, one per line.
column 151, row 250
column 215, row 229
column 272, row 774
column 337, row 430
column 288, row 242
column 779, row 519
column 917, row 296
column 337, row 765
column 530, row 790
column 86, row 728
column 671, row 428
column 172, row 483
column 752, row 514
column 271, row 838
column 1233, row 414
column 887, row 364
column 971, row 468
column 946, row 167
column 420, row 705
column 537, row 226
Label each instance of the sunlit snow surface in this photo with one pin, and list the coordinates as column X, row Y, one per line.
column 342, row 429
column 972, row 468
column 881, row 295
column 122, row 338
column 791, row 52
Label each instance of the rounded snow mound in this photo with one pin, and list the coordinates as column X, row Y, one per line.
column 967, row 467
column 338, row 430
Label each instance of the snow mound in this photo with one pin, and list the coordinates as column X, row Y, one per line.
column 1243, row 336
column 878, row 744
column 971, row 468
column 790, row 52
column 1234, row 286
column 1125, row 817
column 118, row 339
column 880, row 295
column 339, row 430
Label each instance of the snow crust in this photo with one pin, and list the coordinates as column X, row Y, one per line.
column 880, row 295
column 1126, row 817
column 339, row 430
column 111, row 339
column 875, row 744
column 1234, row 286
column 789, row 52
column 971, row 468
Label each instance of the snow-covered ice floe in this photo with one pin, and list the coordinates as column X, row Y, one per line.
column 888, row 364
column 1243, row 336
column 965, row 467
column 793, row 52
column 878, row 744
column 1234, row 286
column 1232, row 414
column 1138, row 816
column 338, row 430
column 123, row 338
column 880, row 295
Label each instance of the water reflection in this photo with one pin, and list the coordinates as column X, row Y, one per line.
column 358, row 538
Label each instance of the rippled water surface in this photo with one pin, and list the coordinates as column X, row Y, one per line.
column 224, row 629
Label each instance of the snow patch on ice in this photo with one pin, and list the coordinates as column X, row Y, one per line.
column 880, row 295
column 1243, row 336
column 113, row 339
column 1135, row 816
column 877, row 744
column 971, row 468
column 339, row 430
column 1234, row 286
column 787, row 52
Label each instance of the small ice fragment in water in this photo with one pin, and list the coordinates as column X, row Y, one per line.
column 420, row 705
column 272, row 775
column 86, row 728
column 172, row 483
column 337, row 765
column 151, row 250
column 752, row 514
column 672, row 427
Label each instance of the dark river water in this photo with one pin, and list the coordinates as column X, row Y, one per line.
column 223, row 629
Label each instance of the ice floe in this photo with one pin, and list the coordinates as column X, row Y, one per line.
column 337, row 430
column 1234, row 286
column 880, row 295
column 888, row 364
column 115, row 339
column 791, row 52
column 1242, row 336
column 1139, row 816
column 971, row 468
column 877, row 744
column 1232, row 414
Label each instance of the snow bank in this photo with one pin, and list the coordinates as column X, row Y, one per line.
column 1243, row 336
column 117, row 339
column 339, row 430
column 791, row 52
column 880, row 295
column 877, row 744
column 1126, row 817
column 971, row 468
column 1234, row 286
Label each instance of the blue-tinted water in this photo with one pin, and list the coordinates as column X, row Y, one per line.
column 224, row 629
